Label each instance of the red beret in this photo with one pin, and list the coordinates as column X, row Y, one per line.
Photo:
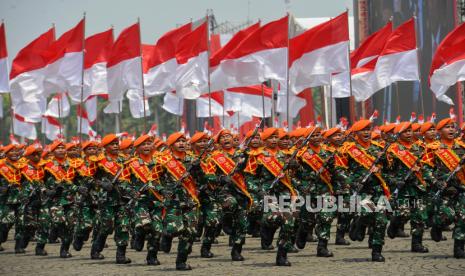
column 359, row 125
column 126, row 143
column 443, row 123
column 388, row 127
column 174, row 137
column 108, row 139
column 55, row 144
column 142, row 139
column 424, row 128
column 331, row 131
column 402, row 127
column 198, row 136
column 268, row 132
column 416, row 126
column 222, row 132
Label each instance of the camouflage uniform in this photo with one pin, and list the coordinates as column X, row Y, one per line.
column 254, row 187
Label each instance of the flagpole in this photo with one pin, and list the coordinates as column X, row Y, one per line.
column 9, row 94
column 330, row 100
column 419, row 62
column 263, row 107
column 287, row 75
column 82, row 77
column 208, row 71
column 142, row 76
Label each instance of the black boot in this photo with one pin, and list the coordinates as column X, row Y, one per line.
column 301, row 238
column 53, row 235
column 236, row 252
column 401, row 232
column 310, row 236
column 40, row 251
column 376, row 253
column 394, row 227
column 267, row 235
column 139, row 239
column 121, row 255
column 152, row 258
column 3, row 232
column 181, row 262
column 340, row 238
column 322, row 249
column 165, row 243
column 97, row 247
column 205, row 251
column 78, row 242
column 18, row 246
column 353, row 229
column 64, row 249
column 281, row 257
column 459, row 252
column 417, row 245
column 25, row 241
column 436, row 233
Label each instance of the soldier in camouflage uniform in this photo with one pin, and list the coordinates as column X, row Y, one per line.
column 403, row 159
column 449, row 196
column 173, row 173
column 270, row 167
column 146, row 199
column 360, row 155
column 10, row 188
column 34, row 216
column 112, row 213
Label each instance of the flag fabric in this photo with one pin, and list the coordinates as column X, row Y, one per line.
column 136, row 104
column 217, row 105
column 50, row 127
column 98, row 48
column 296, row 102
column 124, row 69
column 192, row 59
column 4, row 84
column 84, row 126
column 113, row 107
column 260, row 56
column 159, row 62
column 448, row 65
column 1, row 106
column 23, row 128
column 173, row 104
column 249, row 101
column 319, row 52
column 398, row 61
column 58, row 107
column 91, row 107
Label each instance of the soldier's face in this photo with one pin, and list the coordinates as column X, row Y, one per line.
column 59, row 152
column 201, row 144
column 448, row 131
column 145, row 148
column 417, row 134
column 364, row 135
column 284, row 142
column 35, row 157
column 14, row 154
column 128, row 150
column 272, row 141
column 91, row 150
column 180, row 145
column 336, row 138
column 226, row 141
column 316, row 138
column 256, row 141
column 388, row 137
column 112, row 148
column 236, row 141
column 74, row 152
column 431, row 133
column 2, row 154
column 406, row 135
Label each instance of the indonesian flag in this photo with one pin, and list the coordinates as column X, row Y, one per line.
column 249, row 101
column 217, row 105
column 91, row 108
column 24, row 128
column 98, row 48
column 65, row 63
column 260, row 56
column 4, row 85
column 51, row 127
column 84, row 126
column 398, row 61
column 192, row 59
column 296, row 102
column 124, row 69
column 173, row 104
column 58, row 107
column 28, row 70
column 159, row 62
column 319, row 52
column 136, row 104
column 448, row 65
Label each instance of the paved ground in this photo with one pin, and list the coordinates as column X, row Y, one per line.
column 348, row 260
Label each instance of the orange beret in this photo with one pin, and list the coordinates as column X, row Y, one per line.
column 222, row 132
column 89, row 144
column 32, row 148
column 198, row 136
column 424, row 128
column 282, row 133
column 159, row 144
column 268, row 132
column 388, row 128
column 444, row 122
column 375, row 135
column 70, row 145
column 9, row 147
column 416, row 126
column 311, row 129
column 142, row 139
column 108, row 139
column 174, row 137
column 402, row 127
column 331, row 131
column 359, row 125
column 125, row 143
column 55, row 144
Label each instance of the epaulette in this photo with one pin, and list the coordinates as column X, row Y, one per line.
column 460, row 142
column 75, row 162
column 343, row 148
column 255, row 152
column 434, row 145
column 378, row 144
column 96, row 158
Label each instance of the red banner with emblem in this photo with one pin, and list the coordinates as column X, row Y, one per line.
column 177, row 170
column 451, row 161
column 275, row 168
column 317, row 164
column 407, row 158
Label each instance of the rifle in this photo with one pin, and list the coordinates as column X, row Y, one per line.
column 245, row 145
column 438, row 194
column 333, row 154
column 407, row 176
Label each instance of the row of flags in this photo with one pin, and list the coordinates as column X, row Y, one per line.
column 224, row 76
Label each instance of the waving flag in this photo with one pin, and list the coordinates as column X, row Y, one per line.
column 4, row 85
column 248, row 100
column 24, row 128
column 51, row 127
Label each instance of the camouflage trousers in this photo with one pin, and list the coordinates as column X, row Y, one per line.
column 63, row 218
column 415, row 209
column 8, row 219
column 148, row 222
column 324, row 217
column 181, row 222
column 113, row 218
column 33, row 221
column 211, row 217
column 375, row 219
column 273, row 219
column 450, row 211
column 344, row 218
column 85, row 220
column 235, row 210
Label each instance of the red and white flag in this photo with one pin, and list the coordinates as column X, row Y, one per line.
column 173, row 104
column 51, row 127
column 28, row 70
column 319, row 52
column 124, row 71
column 58, row 107
column 4, row 85
column 159, row 62
column 24, row 128
column 91, row 107
column 98, row 48
column 192, row 59
column 65, row 63
column 84, row 126
column 260, row 56
column 217, row 105
column 137, row 104
column 296, row 102
column 249, row 101
column 448, row 65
